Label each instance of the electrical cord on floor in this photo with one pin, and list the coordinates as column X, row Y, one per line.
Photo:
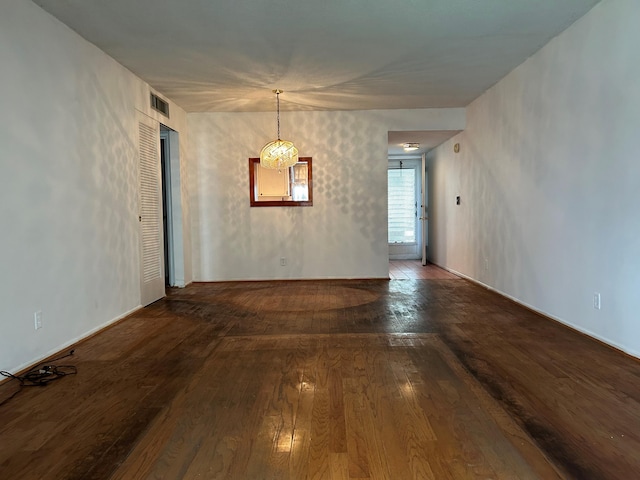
column 41, row 376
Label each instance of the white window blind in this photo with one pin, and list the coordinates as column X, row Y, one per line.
column 402, row 205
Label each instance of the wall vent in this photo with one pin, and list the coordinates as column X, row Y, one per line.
column 160, row 105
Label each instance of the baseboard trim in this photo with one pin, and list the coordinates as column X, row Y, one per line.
column 609, row 343
column 25, row 367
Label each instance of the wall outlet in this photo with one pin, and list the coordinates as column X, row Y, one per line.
column 596, row 301
column 37, row 320
column 283, row 261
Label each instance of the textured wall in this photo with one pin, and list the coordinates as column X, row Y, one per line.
column 343, row 235
column 68, row 185
column 548, row 175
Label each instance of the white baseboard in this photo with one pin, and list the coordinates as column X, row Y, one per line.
column 68, row 344
column 607, row 341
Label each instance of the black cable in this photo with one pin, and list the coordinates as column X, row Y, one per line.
column 41, row 376
column 71, row 352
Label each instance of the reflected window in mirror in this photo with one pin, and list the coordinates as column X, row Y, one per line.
column 286, row 187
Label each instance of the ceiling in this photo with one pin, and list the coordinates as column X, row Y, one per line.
column 228, row 55
column 426, row 139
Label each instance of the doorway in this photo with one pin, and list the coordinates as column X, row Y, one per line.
column 404, row 193
column 172, row 207
column 166, row 206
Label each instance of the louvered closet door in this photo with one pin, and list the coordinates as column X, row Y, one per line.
column 150, row 208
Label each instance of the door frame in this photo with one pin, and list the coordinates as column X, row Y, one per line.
column 424, row 210
column 410, row 251
column 172, row 203
column 167, row 223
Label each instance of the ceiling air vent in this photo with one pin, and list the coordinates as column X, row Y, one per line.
column 160, row 105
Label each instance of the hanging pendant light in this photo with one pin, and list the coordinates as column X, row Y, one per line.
column 279, row 153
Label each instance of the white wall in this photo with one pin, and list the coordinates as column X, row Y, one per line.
column 344, row 233
column 549, row 178
column 68, row 185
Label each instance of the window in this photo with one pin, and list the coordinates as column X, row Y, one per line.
column 402, row 205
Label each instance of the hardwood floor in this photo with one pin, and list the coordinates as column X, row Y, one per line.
column 403, row 379
column 414, row 270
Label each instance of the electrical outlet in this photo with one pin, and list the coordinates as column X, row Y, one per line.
column 37, row 320
column 283, row 261
column 597, row 301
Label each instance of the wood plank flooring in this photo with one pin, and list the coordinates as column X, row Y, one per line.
column 405, row 379
column 414, row 270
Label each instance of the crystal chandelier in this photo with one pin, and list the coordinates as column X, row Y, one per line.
column 279, row 153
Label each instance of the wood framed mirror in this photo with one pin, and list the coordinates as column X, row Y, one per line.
column 287, row 187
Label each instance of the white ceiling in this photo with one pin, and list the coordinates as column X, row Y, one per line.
column 426, row 139
column 228, row 55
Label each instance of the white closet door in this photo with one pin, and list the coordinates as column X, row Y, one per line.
column 150, row 211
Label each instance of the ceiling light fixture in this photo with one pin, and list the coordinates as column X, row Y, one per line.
column 410, row 147
column 279, row 153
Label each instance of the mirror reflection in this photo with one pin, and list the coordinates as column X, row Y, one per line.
column 288, row 187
